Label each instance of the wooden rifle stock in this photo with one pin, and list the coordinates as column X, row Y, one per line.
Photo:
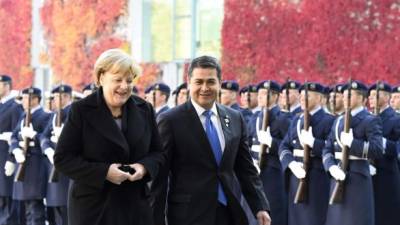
column 262, row 161
column 302, row 189
column 20, row 175
column 338, row 191
column 287, row 95
column 248, row 98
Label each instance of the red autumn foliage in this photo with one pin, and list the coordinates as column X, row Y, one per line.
column 319, row 40
column 78, row 31
column 15, row 41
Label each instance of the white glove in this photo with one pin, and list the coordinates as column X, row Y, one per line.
column 9, row 168
column 264, row 137
column 384, row 141
column 306, row 137
column 6, row 136
column 28, row 132
column 372, row 170
column 337, row 173
column 57, row 131
column 54, row 139
column 19, row 155
column 297, row 169
column 347, row 138
column 49, row 152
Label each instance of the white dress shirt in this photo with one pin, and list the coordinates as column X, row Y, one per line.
column 214, row 119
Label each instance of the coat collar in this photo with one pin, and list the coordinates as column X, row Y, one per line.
column 100, row 117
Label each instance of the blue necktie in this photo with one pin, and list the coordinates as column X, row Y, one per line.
column 212, row 136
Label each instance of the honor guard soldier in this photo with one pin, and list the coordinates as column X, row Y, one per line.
column 301, row 152
column 248, row 97
column 229, row 90
column 159, row 95
column 57, row 186
column 387, row 179
column 336, row 100
column 351, row 200
column 31, row 177
column 89, row 89
column 10, row 113
column 395, row 99
column 291, row 88
column 181, row 94
column 271, row 174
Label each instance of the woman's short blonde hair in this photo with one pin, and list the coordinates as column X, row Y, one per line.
column 115, row 61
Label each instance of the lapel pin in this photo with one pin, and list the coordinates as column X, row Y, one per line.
column 226, row 121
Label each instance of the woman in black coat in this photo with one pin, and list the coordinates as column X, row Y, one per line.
column 110, row 148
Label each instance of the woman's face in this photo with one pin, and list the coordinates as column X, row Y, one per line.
column 117, row 88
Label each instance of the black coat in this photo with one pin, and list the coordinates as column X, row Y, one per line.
column 194, row 173
column 90, row 142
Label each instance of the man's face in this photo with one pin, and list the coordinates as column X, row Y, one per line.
column 314, row 99
column 293, row 97
column 25, row 101
column 182, row 96
column 262, row 98
column 244, row 100
column 4, row 89
column 338, row 100
column 204, row 86
column 228, row 97
column 356, row 99
column 395, row 101
column 65, row 100
column 160, row 98
column 382, row 101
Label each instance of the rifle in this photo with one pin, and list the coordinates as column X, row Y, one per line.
column 54, row 174
column 248, row 99
column 287, row 94
column 377, row 109
column 333, row 106
column 20, row 175
column 302, row 188
column 338, row 190
column 265, row 123
column 154, row 96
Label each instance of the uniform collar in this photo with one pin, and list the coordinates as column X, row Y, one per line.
column 160, row 107
column 35, row 109
column 316, row 109
column 6, row 98
column 293, row 108
column 357, row 110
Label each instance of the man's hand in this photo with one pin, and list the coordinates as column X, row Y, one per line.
column 140, row 172
column 263, row 218
column 115, row 175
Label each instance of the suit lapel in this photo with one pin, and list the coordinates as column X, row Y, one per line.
column 225, row 121
column 101, row 119
column 199, row 131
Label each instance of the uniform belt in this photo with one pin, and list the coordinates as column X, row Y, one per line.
column 300, row 153
column 338, row 155
column 257, row 148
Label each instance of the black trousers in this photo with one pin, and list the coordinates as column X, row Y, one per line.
column 57, row 215
column 11, row 211
column 34, row 212
column 223, row 216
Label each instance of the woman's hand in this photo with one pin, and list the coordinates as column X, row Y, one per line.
column 140, row 172
column 115, row 175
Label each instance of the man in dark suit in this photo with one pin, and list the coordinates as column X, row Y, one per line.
column 208, row 148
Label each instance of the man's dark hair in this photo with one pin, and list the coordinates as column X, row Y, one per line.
column 205, row 62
